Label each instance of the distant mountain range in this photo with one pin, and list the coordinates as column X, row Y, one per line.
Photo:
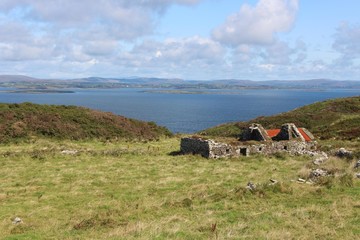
column 99, row 82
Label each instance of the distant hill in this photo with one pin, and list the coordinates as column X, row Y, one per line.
column 17, row 78
column 338, row 118
column 22, row 121
column 153, row 82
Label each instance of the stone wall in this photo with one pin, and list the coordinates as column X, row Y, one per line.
column 255, row 132
column 289, row 132
column 195, row 146
column 212, row 149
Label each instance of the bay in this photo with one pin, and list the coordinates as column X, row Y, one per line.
column 184, row 112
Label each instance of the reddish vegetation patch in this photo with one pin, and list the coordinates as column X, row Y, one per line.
column 70, row 122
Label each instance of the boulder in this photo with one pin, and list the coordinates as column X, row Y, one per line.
column 251, row 186
column 343, row 153
column 17, row 220
column 318, row 173
column 320, row 157
column 357, row 164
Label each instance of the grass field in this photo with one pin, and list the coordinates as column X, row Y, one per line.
column 134, row 190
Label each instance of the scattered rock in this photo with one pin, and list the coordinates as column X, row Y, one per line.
column 320, row 157
column 69, row 152
column 309, row 182
column 318, row 173
column 300, row 180
column 343, row 153
column 251, row 186
column 357, row 164
column 17, row 220
column 273, row 181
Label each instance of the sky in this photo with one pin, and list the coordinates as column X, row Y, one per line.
column 187, row 39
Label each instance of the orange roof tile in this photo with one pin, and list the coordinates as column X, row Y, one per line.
column 272, row 132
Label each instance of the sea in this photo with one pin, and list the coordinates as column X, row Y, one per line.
column 183, row 112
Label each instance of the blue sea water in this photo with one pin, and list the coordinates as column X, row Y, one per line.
column 185, row 113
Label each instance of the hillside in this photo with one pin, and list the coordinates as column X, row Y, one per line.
column 22, row 121
column 337, row 118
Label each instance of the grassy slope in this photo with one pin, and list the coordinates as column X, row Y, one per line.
column 339, row 118
column 22, row 121
column 118, row 190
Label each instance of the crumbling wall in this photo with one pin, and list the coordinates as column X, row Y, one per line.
column 289, row 132
column 212, row 149
column 255, row 132
column 195, row 146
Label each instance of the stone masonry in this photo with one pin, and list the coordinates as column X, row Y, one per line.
column 289, row 139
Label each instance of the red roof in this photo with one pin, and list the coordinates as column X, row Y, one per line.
column 273, row 132
column 303, row 133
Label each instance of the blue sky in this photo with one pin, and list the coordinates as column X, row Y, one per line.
column 189, row 39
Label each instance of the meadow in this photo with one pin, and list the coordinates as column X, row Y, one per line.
column 92, row 189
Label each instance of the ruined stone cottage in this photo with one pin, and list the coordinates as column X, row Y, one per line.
column 254, row 139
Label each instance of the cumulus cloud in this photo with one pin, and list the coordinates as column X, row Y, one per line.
column 280, row 53
column 192, row 51
column 125, row 19
column 79, row 30
column 347, row 42
column 257, row 25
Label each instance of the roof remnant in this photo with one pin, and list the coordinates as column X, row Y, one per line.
column 288, row 131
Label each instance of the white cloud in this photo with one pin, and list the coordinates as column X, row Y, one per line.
column 194, row 54
column 347, row 42
column 280, row 53
column 259, row 24
column 74, row 30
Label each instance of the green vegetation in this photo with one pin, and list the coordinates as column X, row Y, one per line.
column 337, row 118
column 133, row 190
column 25, row 121
column 74, row 173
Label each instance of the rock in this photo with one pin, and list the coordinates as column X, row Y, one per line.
column 357, row 164
column 251, row 186
column 17, row 220
column 320, row 157
column 343, row 153
column 358, row 175
column 69, row 152
column 309, row 182
column 273, row 181
column 300, row 180
column 318, row 173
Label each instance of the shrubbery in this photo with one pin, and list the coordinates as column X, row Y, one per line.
column 21, row 121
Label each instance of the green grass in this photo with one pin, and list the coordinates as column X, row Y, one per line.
column 134, row 190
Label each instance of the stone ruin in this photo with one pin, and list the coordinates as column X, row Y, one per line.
column 254, row 140
column 255, row 132
column 206, row 148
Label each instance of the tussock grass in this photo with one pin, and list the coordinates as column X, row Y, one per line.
column 134, row 190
